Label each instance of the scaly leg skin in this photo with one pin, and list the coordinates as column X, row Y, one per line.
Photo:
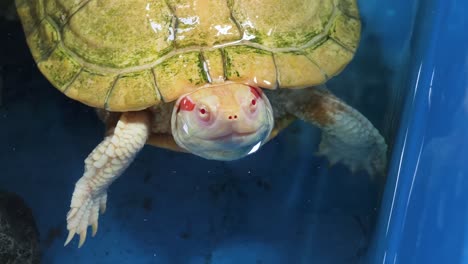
column 347, row 136
column 104, row 165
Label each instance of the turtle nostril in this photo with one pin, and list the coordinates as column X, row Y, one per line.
column 232, row 117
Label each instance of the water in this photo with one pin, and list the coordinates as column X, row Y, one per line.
column 279, row 205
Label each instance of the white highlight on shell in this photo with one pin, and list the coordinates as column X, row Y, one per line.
column 171, row 36
column 190, row 20
column 206, row 69
column 223, row 30
column 247, row 36
column 155, row 26
column 269, row 32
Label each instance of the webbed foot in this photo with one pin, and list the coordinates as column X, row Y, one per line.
column 347, row 136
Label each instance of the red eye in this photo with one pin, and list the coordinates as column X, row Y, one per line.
column 253, row 106
column 203, row 113
column 257, row 93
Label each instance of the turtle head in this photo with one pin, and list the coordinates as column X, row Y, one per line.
column 222, row 122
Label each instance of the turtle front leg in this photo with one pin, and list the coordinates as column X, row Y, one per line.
column 104, row 165
column 347, row 136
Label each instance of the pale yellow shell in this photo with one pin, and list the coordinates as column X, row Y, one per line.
column 132, row 54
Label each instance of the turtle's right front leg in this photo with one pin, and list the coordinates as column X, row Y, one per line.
column 104, row 165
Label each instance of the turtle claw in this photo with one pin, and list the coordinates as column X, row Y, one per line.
column 95, row 228
column 84, row 212
column 82, row 238
column 370, row 158
column 70, row 236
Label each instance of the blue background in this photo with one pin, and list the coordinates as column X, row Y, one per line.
column 424, row 214
column 281, row 204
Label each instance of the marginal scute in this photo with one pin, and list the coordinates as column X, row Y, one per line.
column 346, row 30
column 214, row 64
column 60, row 10
column 280, row 23
column 330, row 57
column 31, row 13
column 250, row 65
column 42, row 40
column 297, row 71
column 132, row 92
column 141, row 35
column 91, row 88
column 59, row 68
column 203, row 23
column 180, row 74
column 349, row 7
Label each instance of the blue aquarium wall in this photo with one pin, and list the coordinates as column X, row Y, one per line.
column 282, row 204
column 424, row 214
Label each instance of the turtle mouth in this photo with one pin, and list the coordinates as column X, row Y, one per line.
column 201, row 125
column 234, row 136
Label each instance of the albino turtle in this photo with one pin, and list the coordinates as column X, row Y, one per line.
column 214, row 78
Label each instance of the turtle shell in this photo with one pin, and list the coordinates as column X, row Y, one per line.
column 133, row 54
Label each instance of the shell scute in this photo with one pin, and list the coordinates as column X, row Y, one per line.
column 139, row 53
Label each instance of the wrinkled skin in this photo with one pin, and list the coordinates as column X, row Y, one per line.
column 223, row 122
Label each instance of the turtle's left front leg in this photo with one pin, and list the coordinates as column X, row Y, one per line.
column 104, row 165
column 347, row 136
